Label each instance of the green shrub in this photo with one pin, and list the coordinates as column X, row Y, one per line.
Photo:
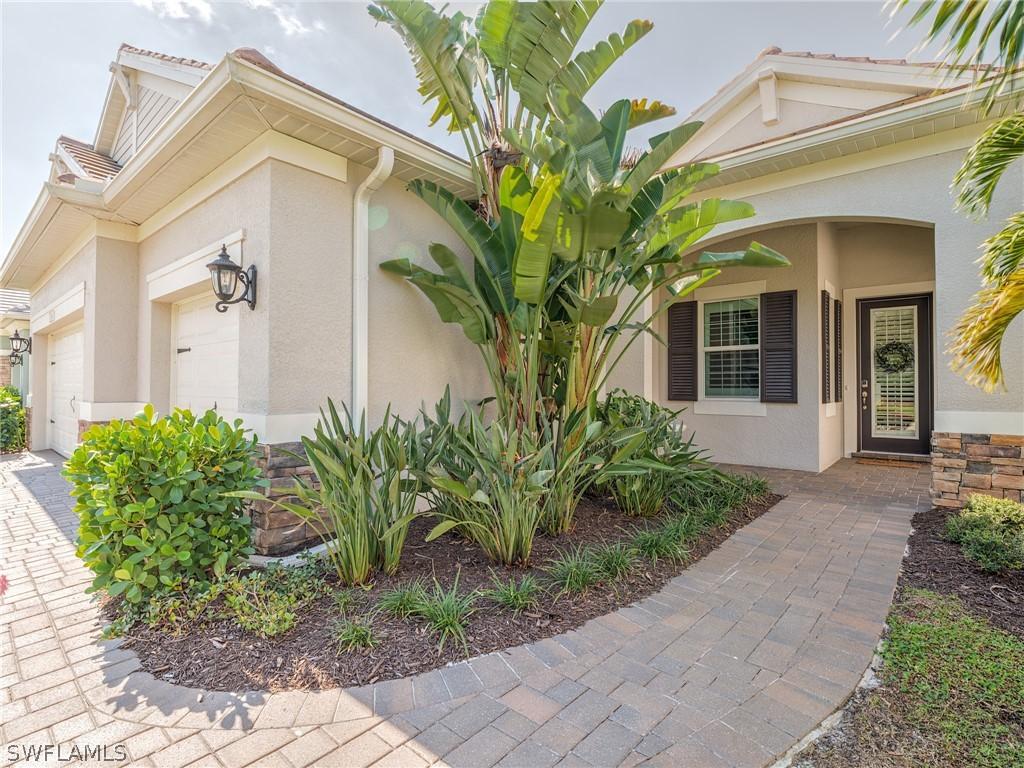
column 404, row 600
column 614, row 560
column 261, row 607
column 12, row 420
column 446, row 612
column 151, row 497
column 573, row 571
column 355, row 634
column 512, row 595
column 990, row 532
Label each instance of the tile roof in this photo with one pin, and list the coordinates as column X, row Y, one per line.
column 164, row 57
column 96, row 165
column 13, row 302
column 776, row 51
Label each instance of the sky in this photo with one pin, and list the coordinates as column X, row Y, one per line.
column 55, row 59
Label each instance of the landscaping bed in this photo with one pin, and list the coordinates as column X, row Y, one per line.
column 951, row 687
column 214, row 653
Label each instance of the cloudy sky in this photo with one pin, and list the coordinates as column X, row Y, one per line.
column 55, row 57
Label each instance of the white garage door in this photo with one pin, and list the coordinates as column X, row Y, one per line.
column 206, row 357
column 64, row 390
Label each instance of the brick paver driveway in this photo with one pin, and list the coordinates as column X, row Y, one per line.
column 730, row 665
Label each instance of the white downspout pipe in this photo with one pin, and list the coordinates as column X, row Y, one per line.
column 361, row 278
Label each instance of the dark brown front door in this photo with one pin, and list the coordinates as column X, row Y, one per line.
column 894, row 373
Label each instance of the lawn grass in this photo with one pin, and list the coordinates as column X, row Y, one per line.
column 961, row 680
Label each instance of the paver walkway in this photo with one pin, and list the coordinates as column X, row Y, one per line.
column 729, row 665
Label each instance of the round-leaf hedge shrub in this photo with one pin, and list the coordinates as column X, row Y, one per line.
column 12, row 420
column 151, row 504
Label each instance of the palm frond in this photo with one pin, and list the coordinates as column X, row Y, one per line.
column 1004, row 251
column 971, row 31
column 978, row 335
column 1000, row 144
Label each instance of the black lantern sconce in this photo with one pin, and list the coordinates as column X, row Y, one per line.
column 226, row 275
column 19, row 347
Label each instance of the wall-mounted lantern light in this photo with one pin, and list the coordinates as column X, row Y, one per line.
column 226, row 275
column 20, row 345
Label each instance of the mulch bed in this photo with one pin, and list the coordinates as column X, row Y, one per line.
column 218, row 655
column 876, row 730
column 937, row 564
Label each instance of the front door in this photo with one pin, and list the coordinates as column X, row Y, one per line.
column 894, row 340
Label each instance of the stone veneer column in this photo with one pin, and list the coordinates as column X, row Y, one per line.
column 964, row 464
column 277, row 531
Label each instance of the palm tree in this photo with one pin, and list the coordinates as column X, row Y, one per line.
column 988, row 39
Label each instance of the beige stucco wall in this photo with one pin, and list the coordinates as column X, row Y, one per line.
column 413, row 355
column 787, row 436
column 244, row 204
column 830, row 416
column 917, row 191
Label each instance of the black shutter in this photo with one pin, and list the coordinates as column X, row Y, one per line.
column 778, row 347
column 826, row 348
column 838, row 367
column 682, row 351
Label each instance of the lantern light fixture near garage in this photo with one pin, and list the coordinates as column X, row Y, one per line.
column 19, row 347
column 226, row 275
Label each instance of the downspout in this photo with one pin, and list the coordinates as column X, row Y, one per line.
column 361, row 278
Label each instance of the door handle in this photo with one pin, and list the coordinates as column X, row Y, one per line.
column 71, row 402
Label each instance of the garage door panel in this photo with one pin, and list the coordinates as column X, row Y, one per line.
column 206, row 359
column 64, row 389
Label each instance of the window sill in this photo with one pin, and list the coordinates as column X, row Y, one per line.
column 726, row 407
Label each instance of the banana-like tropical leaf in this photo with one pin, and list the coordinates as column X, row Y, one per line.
column 569, row 236
column 663, row 146
column 755, row 255
column 541, row 42
column 605, row 227
column 537, row 238
column 580, row 74
column 684, row 226
column 641, row 113
column 483, row 242
column 442, row 56
column 493, row 29
column 598, row 311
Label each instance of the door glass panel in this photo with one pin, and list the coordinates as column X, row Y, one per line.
column 894, row 372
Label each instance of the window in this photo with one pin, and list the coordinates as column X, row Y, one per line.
column 730, row 348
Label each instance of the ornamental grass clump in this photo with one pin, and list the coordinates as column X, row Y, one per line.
column 515, row 596
column 488, row 484
column 366, row 497
column 573, row 571
column 154, row 498
column 447, row 611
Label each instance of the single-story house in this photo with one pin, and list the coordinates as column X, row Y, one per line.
column 847, row 161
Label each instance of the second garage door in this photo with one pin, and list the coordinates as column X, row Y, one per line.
column 64, row 389
column 205, row 371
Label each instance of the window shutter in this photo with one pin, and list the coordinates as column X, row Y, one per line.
column 838, row 367
column 682, row 351
column 778, row 347
column 826, row 348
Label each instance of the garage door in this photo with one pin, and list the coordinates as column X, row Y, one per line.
column 64, row 389
column 205, row 371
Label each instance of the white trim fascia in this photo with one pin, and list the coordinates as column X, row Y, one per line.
column 851, row 399
column 980, row 422
column 906, row 77
column 252, row 78
column 190, row 270
column 44, row 201
column 65, row 306
column 175, row 89
column 276, row 428
column 108, row 411
column 857, row 127
column 69, row 160
column 172, row 70
column 112, row 91
column 268, row 146
column 767, row 85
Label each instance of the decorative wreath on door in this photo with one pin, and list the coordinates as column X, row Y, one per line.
column 894, row 357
